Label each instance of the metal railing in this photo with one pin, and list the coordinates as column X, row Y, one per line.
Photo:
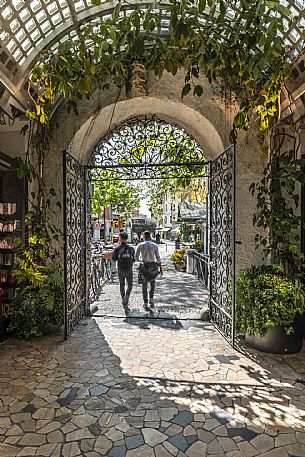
column 201, row 267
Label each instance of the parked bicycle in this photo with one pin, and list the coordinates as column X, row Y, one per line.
column 101, row 269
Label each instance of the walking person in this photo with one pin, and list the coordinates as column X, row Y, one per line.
column 125, row 255
column 148, row 253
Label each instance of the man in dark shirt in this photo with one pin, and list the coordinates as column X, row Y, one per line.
column 125, row 255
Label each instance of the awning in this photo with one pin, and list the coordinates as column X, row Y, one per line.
column 175, row 229
column 191, row 212
column 165, row 229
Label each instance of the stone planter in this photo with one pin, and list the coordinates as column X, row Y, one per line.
column 276, row 341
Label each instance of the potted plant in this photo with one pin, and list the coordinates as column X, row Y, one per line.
column 269, row 310
column 178, row 257
column 270, row 299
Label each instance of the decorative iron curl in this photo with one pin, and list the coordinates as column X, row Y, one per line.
column 222, row 242
column 147, row 148
column 75, row 251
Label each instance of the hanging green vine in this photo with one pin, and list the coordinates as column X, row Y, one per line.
column 242, row 52
column 277, row 196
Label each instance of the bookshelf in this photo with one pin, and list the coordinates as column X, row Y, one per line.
column 12, row 214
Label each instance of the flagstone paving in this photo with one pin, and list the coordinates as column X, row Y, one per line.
column 149, row 385
column 118, row 388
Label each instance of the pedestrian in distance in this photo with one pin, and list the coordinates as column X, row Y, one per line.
column 148, row 254
column 125, row 256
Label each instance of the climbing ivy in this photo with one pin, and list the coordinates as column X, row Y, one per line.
column 277, row 195
column 235, row 44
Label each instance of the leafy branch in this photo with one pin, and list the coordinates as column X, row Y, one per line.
column 244, row 54
column 277, row 200
column 120, row 195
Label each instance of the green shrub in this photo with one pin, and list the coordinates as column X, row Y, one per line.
column 266, row 298
column 37, row 305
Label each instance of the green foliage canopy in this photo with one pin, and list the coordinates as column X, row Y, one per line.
column 179, row 188
column 140, row 227
column 122, row 196
column 243, row 52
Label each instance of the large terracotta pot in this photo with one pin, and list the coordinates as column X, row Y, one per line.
column 277, row 342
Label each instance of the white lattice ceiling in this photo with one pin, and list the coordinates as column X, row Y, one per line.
column 29, row 26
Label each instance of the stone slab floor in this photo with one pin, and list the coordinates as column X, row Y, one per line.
column 148, row 388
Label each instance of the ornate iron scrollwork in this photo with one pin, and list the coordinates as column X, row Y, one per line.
column 147, row 149
column 75, row 243
column 222, row 243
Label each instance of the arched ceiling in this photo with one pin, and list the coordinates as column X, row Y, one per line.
column 29, row 26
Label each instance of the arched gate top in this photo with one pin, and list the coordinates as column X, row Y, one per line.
column 147, row 148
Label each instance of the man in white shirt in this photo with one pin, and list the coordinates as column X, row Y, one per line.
column 148, row 253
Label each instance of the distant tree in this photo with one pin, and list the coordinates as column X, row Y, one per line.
column 183, row 189
column 147, row 224
column 185, row 231
column 122, row 196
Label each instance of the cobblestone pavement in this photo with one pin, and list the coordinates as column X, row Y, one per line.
column 148, row 388
column 177, row 294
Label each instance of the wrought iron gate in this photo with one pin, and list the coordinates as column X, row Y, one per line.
column 76, row 201
column 222, row 242
column 77, row 209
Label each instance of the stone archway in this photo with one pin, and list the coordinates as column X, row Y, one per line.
column 150, row 148
column 97, row 126
column 208, row 119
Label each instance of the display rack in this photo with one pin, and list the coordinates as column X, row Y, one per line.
column 12, row 214
column 9, row 232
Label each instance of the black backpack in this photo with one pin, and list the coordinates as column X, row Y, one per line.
column 125, row 258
